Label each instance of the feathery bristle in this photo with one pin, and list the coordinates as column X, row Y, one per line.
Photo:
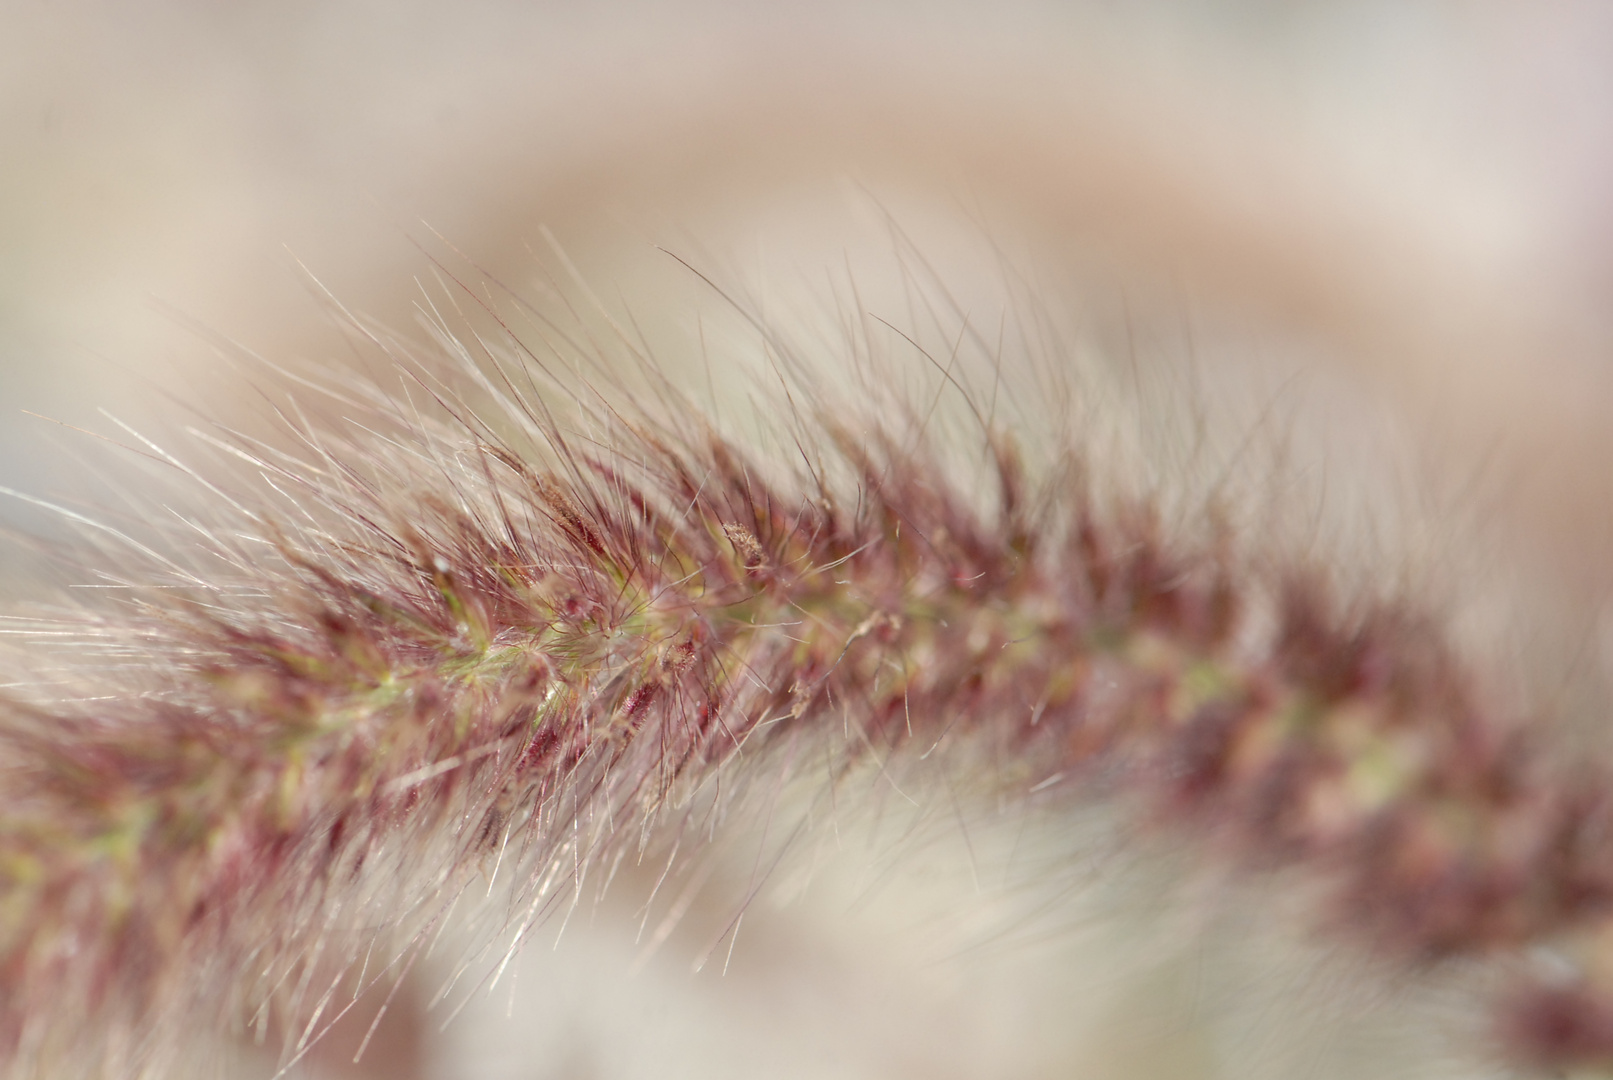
column 489, row 633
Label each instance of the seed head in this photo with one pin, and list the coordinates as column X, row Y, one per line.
column 434, row 641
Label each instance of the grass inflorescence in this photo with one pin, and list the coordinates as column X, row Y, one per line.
column 473, row 636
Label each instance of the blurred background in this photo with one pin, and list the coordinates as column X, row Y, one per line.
column 1414, row 193
column 1419, row 185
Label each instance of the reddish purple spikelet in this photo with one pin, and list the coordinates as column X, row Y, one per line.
column 473, row 648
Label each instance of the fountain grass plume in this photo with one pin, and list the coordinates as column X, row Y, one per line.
column 458, row 633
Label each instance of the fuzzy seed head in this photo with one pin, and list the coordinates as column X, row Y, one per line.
column 436, row 642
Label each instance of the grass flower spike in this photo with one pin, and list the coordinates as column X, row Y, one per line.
column 455, row 634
